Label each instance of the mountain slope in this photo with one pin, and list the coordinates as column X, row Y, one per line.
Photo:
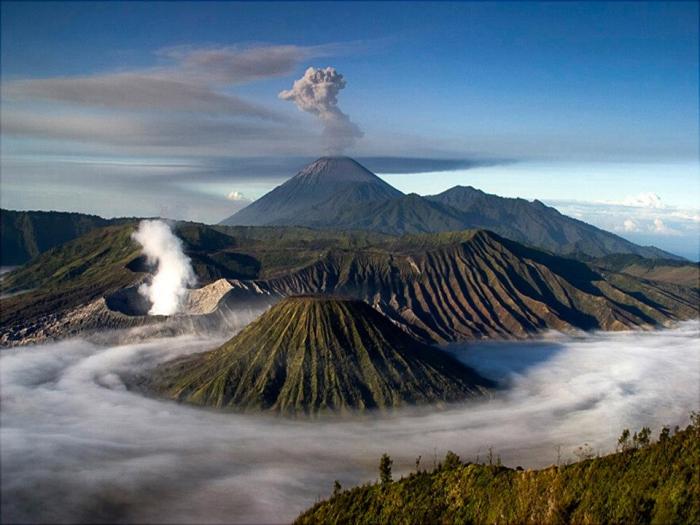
column 536, row 224
column 307, row 196
column 406, row 214
column 438, row 287
column 311, row 354
column 475, row 284
column 657, row 483
column 26, row 234
column 65, row 278
column 69, row 288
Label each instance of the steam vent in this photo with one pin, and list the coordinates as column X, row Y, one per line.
column 308, row 355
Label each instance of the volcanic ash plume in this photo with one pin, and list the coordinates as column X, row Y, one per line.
column 174, row 271
column 317, row 93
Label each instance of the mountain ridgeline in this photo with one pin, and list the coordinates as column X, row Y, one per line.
column 476, row 284
column 438, row 287
column 339, row 193
column 309, row 355
column 26, row 234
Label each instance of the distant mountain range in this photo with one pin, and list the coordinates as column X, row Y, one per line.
column 310, row 355
column 339, row 193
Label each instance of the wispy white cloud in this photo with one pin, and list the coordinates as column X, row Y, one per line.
column 629, row 226
column 236, row 196
column 662, row 229
column 184, row 102
column 194, row 80
column 644, row 220
column 692, row 216
column 643, row 200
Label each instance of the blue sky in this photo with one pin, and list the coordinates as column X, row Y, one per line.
column 594, row 105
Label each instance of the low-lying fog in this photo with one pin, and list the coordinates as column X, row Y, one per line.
column 76, row 446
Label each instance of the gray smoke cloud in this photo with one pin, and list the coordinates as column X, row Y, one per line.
column 317, row 93
column 174, row 270
column 77, row 446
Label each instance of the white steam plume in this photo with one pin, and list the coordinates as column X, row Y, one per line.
column 317, row 93
column 174, row 273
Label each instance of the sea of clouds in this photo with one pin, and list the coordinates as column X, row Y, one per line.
column 77, row 446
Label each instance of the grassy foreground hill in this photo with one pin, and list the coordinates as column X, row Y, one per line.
column 657, row 483
column 311, row 354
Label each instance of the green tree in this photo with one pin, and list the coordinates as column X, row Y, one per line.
column 623, row 442
column 451, row 461
column 642, row 438
column 664, row 434
column 695, row 422
column 337, row 487
column 385, row 464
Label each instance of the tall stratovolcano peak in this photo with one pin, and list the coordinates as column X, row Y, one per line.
column 335, row 169
column 318, row 192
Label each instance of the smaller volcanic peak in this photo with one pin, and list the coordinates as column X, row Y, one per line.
column 313, row 354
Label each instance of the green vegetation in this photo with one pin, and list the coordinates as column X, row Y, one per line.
column 308, row 355
column 385, row 464
column 106, row 260
column 439, row 287
column 26, row 234
column 643, row 483
column 70, row 275
column 278, row 250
